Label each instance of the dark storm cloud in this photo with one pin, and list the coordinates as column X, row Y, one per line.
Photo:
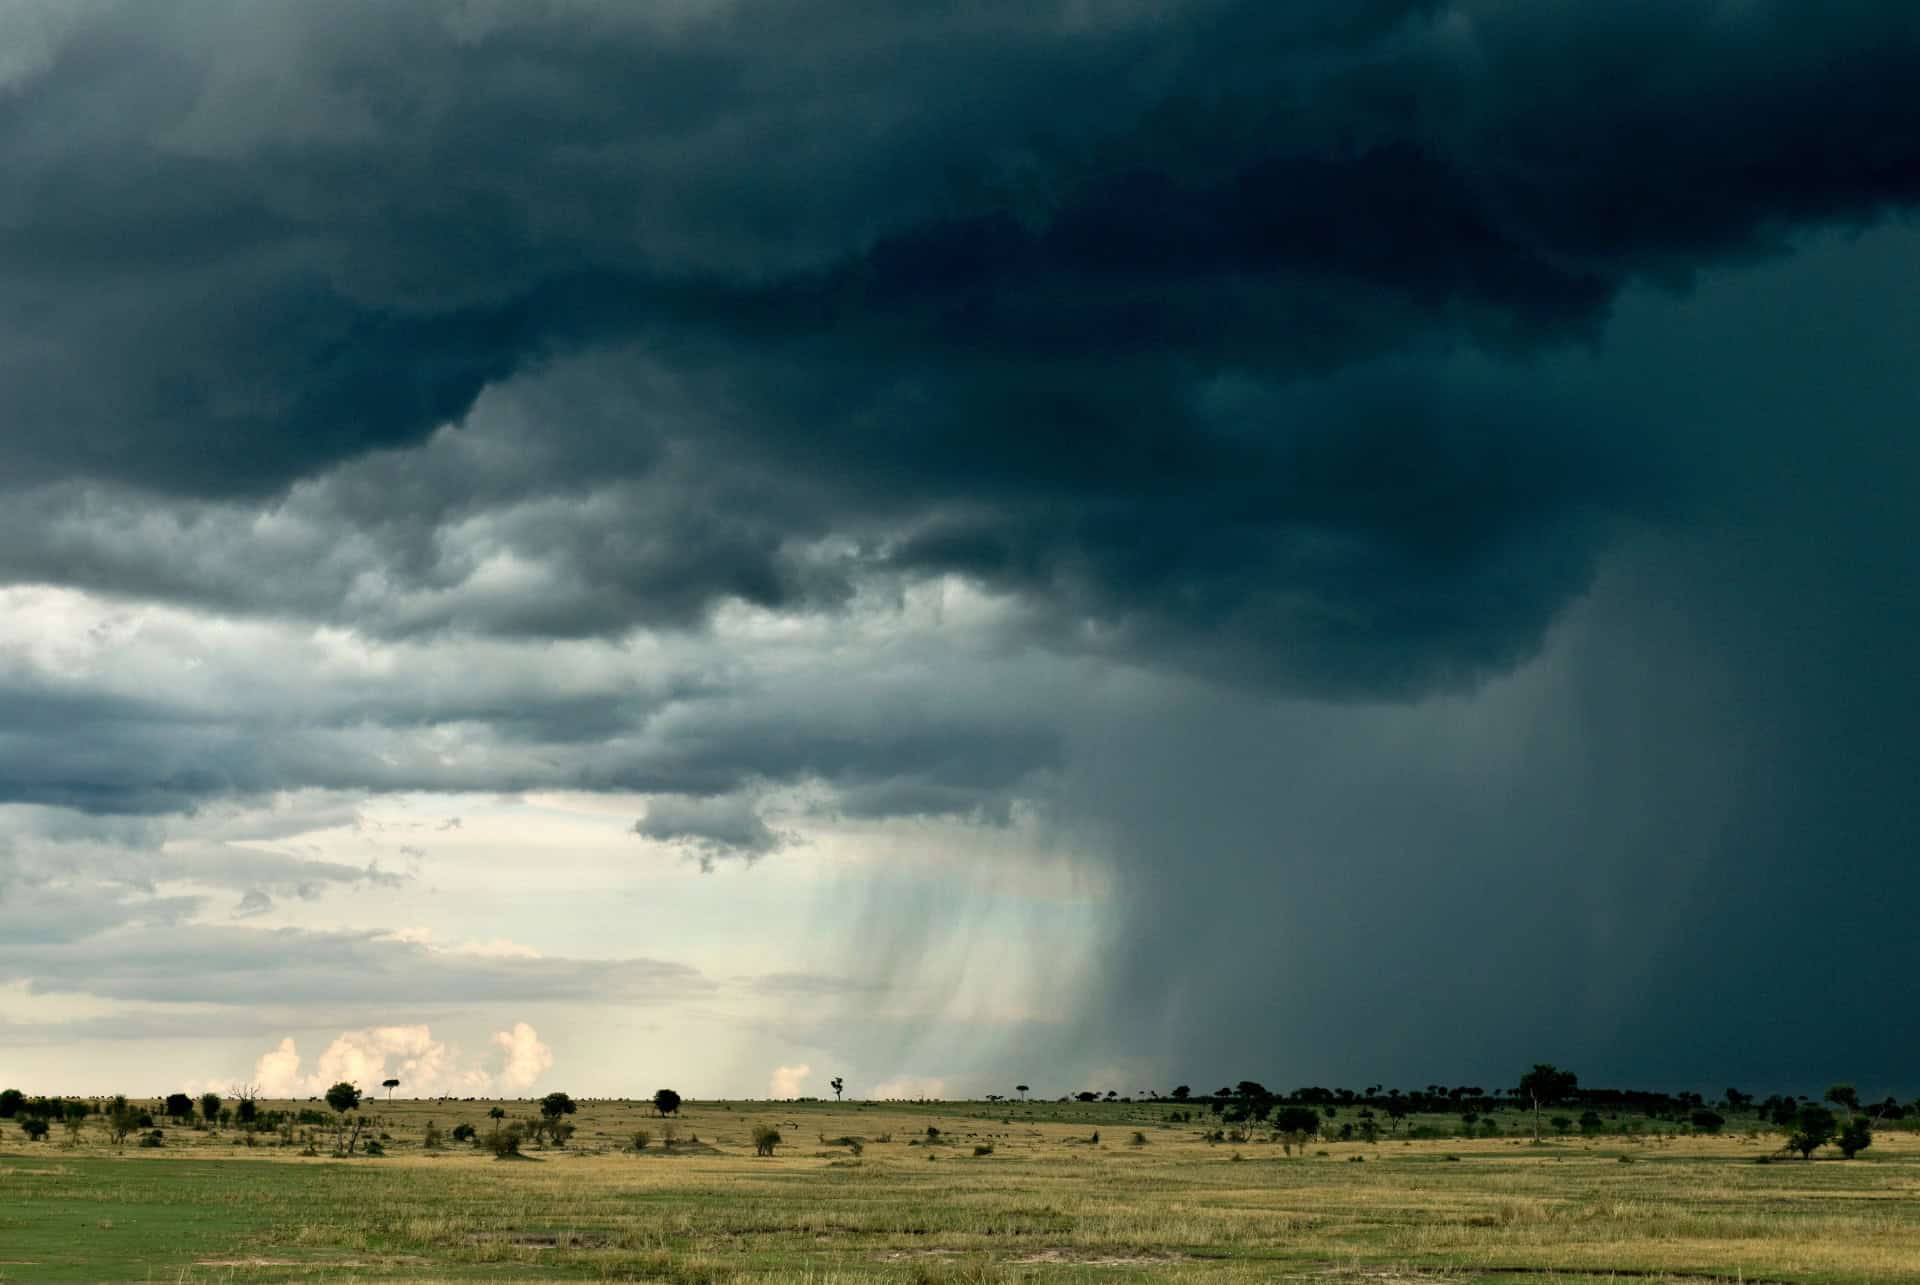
column 1504, row 408
column 1058, row 298
column 939, row 728
column 711, row 829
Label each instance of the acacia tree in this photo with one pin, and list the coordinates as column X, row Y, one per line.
column 836, row 1084
column 1546, row 1085
column 344, row 1097
column 1844, row 1096
column 121, row 1121
column 1021, row 1089
column 1854, row 1137
column 389, row 1086
column 1813, row 1127
column 1296, row 1126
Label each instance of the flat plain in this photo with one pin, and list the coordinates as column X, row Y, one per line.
column 861, row 1192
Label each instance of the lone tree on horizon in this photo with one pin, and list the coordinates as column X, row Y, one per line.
column 1546, row 1085
column 1021, row 1089
column 836, row 1084
column 666, row 1102
column 389, row 1086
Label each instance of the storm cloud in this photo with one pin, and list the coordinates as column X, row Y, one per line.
column 1373, row 483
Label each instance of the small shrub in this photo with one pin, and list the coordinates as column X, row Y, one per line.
column 34, row 1127
column 1139, row 1139
column 463, row 1133
column 640, row 1139
column 1356, row 1160
column 983, row 1149
column 153, row 1138
column 435, row 1138
column 505, row 1143
column 765, row 1139
column 372, row 1147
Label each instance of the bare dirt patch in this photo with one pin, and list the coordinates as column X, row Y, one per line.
column 1093, row 1258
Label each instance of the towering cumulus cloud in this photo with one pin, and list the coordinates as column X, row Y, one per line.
column 1409, row 500
column 424, row 1066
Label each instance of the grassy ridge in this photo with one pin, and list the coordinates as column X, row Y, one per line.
column 1047, row 1204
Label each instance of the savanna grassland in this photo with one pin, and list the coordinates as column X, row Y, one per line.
column 861, row 1192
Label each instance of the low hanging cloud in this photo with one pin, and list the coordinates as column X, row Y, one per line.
column 425, row 1066
column 728, row 827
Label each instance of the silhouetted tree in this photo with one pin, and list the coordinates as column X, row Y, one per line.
column 10, row 1102
column 666, row 1102
column 389, row 1086
column 179, row 1106
column 1854, row 1137
column 210, row 1107
column 1844, row 1096
column 1707, row 1120
column 1021, row 1089
column 836, row 1084
column 1181, row 1092
column 1546, row 1085
column 1813, row 1127
column 557, row 1104
column 1296, row 1124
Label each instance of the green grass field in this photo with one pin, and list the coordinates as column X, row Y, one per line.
column 1047, row 1204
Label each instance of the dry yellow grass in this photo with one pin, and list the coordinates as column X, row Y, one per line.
column 1047, row 1203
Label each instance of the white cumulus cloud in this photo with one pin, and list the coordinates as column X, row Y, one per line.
column 526, row 1058
column 787, row 1080
column 424, row 1065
